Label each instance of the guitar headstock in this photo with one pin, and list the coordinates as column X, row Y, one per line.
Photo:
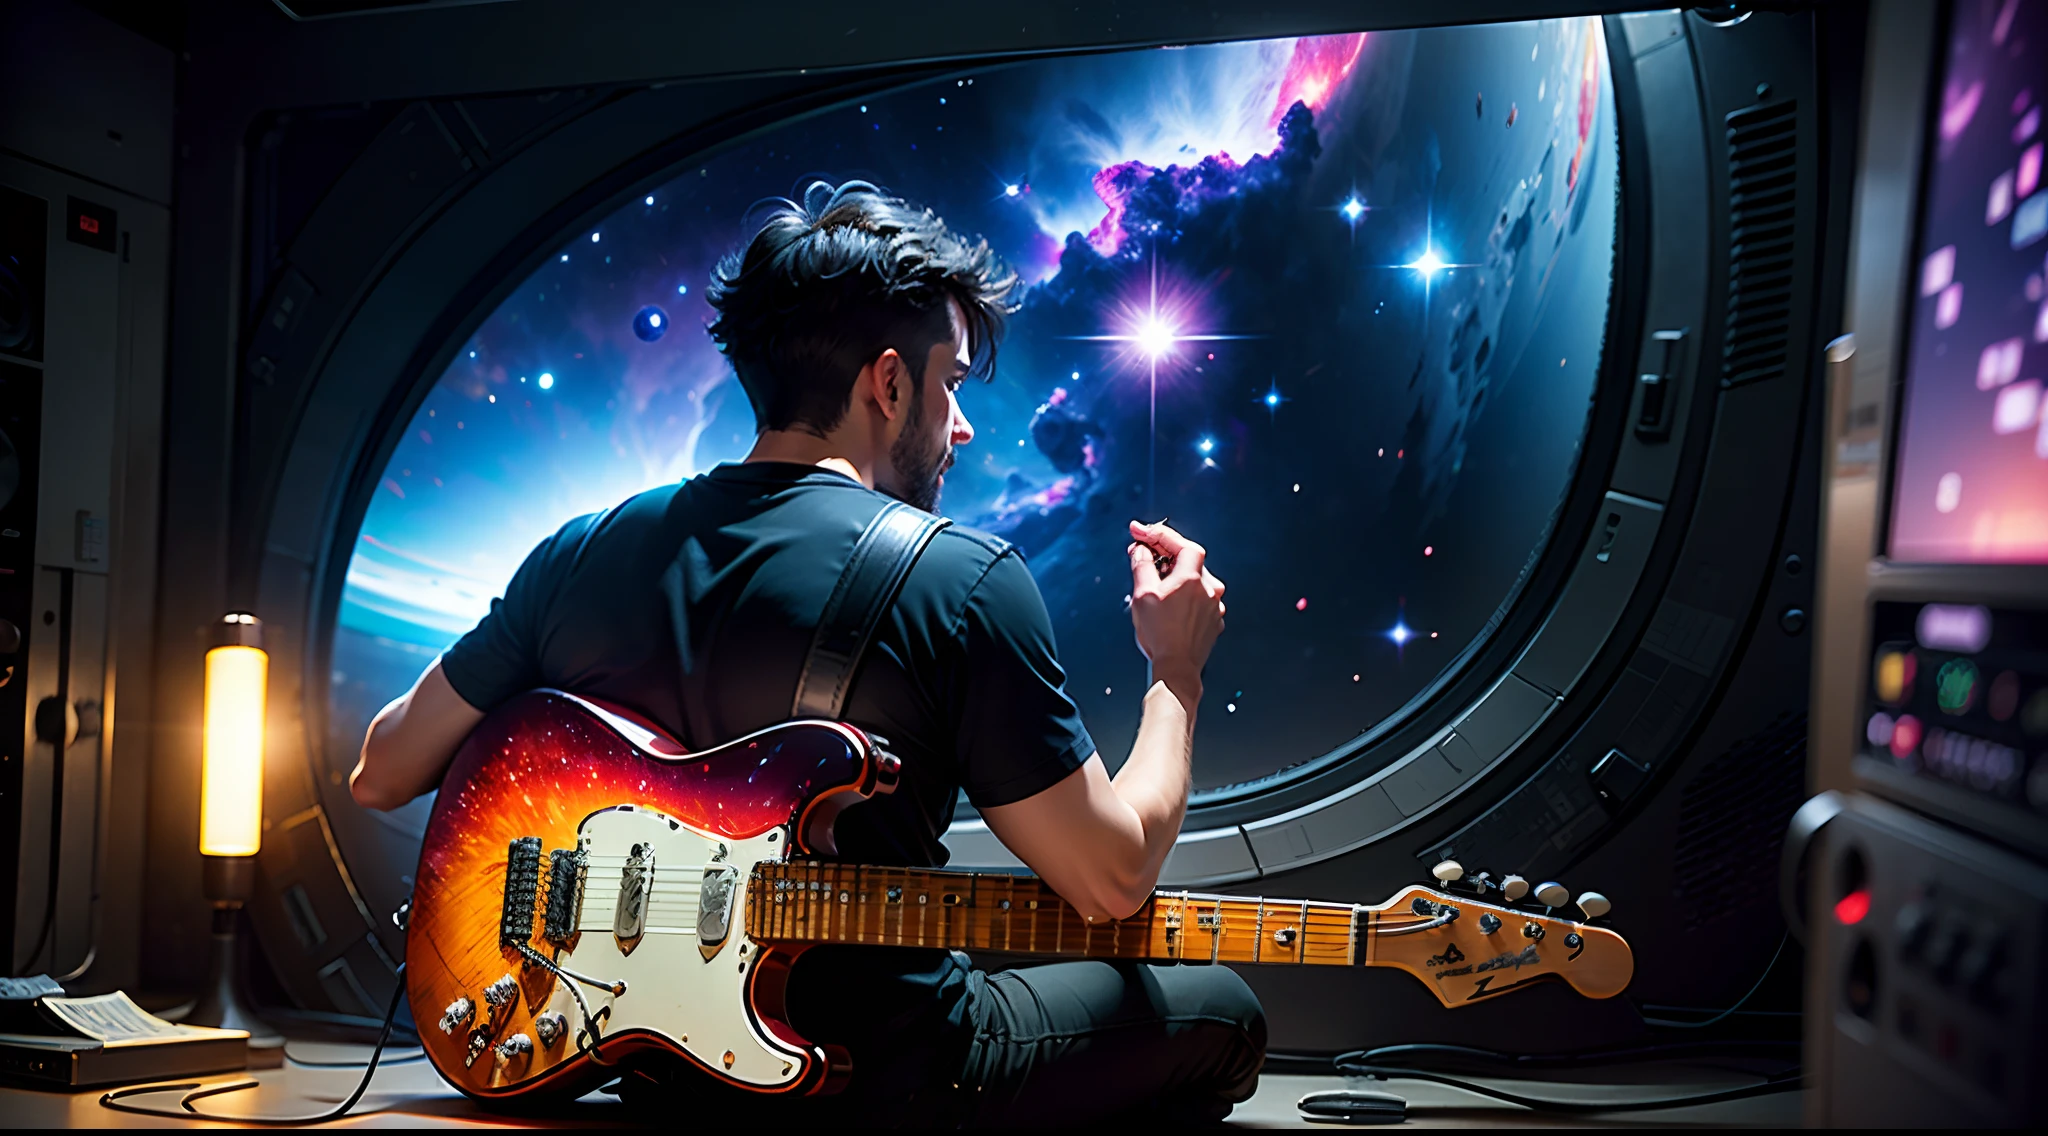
column 1468, row 948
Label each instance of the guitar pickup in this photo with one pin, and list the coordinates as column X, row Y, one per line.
column 714, row 907
column 636, row 882
column 565, row 895
column 522, row 892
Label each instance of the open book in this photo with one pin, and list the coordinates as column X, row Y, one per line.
column 102, row 1039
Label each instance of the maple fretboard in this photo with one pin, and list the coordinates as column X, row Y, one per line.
column 815, row 902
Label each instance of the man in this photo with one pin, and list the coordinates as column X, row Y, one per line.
column 851, row 321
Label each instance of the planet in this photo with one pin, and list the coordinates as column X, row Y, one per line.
column 650, row 323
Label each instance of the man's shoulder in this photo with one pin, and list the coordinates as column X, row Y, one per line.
column 963, row 550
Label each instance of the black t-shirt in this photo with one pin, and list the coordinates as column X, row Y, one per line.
column 694, row 604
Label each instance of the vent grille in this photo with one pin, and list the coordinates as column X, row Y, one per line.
column 1731, row 824
column 1763, row 183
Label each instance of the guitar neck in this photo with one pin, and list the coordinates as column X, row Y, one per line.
column 814, row 902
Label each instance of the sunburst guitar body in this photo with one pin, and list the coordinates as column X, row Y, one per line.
column 588, row 891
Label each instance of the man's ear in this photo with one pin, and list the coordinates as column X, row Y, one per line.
column 889, row 383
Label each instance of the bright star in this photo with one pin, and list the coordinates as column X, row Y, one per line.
column 1011, row 191
column 547, row 381
column 1353, row 209
column 654, row 321
column 1206, row 445
column 1429, row 263
column 1154, row 337
column 1272, row 398
column 650, row 199
column 1400, row 633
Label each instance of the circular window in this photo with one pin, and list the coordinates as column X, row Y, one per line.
column 1333, row 305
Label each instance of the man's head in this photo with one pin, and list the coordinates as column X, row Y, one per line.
column 855, row 314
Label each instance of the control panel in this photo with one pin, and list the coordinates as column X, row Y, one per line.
column 1927, row 942
column 1955, row 716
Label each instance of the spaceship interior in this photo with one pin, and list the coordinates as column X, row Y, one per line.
column 1629, row 473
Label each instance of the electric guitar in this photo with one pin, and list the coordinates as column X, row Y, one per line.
column 588, row 890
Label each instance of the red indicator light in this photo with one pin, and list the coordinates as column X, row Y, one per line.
column 1851, row 908
column 88, row 224
column 1905, row 736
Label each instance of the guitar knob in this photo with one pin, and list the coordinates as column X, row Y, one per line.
column 457, row 1015
column 1450, row 872
column 1594, row 904
column 516, row 1045
column 1513, row 888
column 1550, row 893
column 1489, row 923
column 551, row 1027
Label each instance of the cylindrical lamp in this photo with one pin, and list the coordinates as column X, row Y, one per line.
column 231, row 750
column 231, row 808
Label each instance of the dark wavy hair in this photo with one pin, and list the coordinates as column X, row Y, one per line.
column 825, row 286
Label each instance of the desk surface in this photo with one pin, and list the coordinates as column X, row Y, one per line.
column 410, row 1095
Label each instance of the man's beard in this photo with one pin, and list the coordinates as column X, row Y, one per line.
column 921, row 459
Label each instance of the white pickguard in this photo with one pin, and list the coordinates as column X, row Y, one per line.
column 699, row 1004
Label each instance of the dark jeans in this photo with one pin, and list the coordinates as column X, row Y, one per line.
column 1058, row 1043
column 1083, row 1042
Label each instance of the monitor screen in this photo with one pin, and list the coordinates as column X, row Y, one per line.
column 1971, row 476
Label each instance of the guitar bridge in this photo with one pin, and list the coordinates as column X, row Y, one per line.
column 522, row 891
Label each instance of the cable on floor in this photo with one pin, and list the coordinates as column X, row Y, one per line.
column 194, row 1090
column 1779, row 1083
column 1668, row 1023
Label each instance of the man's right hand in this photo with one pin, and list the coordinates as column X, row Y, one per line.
column 1176, row 616
column 1101, row 842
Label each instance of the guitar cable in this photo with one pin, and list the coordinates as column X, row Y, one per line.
column 1786, row 1081
column 195, row 1090
column 590, row 1027
column 1668, row 1023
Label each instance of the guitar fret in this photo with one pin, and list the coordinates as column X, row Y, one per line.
column 829, row 902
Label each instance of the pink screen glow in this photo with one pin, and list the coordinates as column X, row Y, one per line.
column 1970, row 483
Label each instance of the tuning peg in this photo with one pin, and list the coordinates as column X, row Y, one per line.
column 1594, row 904
column 1550, row 893
column 1513, row 888
column 1450, row 872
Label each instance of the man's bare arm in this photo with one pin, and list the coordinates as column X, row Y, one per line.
column 411, row 742
column 1101, row 841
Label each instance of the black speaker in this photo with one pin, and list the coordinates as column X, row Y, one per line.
column 21, row 419
column 24, row 227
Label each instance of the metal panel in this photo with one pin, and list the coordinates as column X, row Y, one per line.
column 1323, row 829
column 1421, row 782
column 1217, row 856
column 1460, row 754
column 1647, row 31
column 1504, row 717
column 1608, row 569
column 1674, row 165
column 972, row 845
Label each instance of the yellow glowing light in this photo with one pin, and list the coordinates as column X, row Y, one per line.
column 1891, row 676
column 231, row 779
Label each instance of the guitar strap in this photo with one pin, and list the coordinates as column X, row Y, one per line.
column 881, row 561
